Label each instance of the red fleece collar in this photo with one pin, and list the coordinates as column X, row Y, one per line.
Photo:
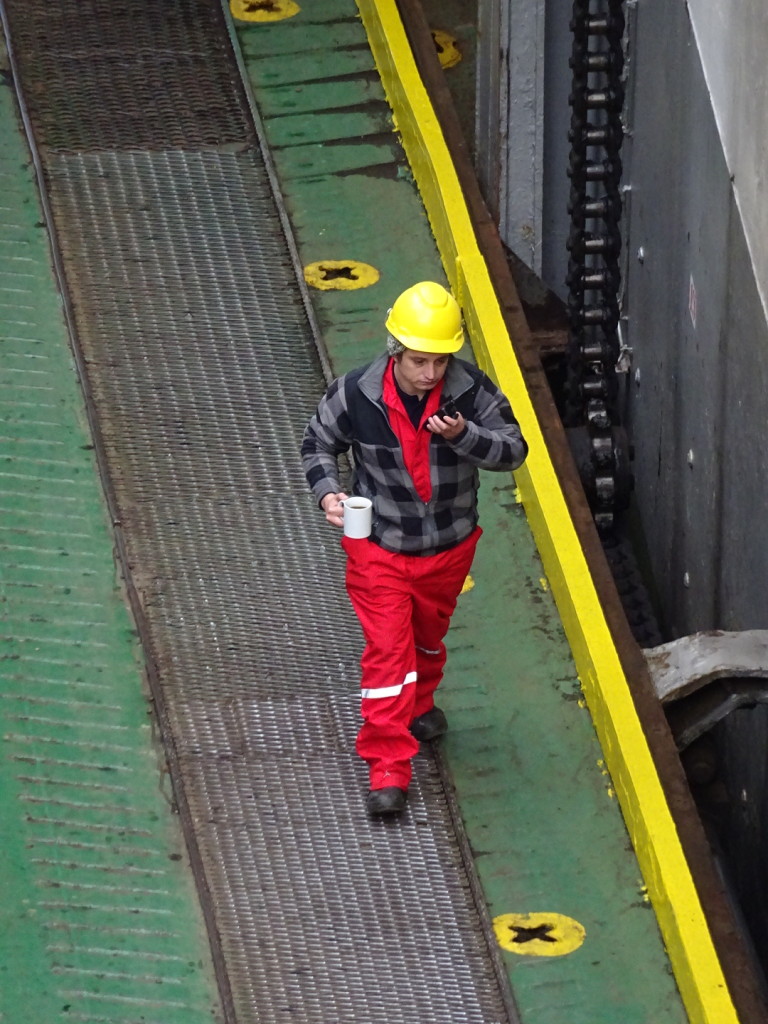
column 413, row 441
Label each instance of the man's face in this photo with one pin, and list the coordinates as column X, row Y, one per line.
column 418, row 372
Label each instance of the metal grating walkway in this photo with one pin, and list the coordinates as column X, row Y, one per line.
column 202, row 370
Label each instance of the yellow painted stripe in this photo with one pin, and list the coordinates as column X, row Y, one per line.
column 668, row 878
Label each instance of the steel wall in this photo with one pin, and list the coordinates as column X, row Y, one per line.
column 698, row 333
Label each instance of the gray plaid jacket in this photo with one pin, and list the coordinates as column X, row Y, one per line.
column 352, row 415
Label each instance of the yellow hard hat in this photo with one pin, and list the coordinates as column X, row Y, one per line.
column 427, row 318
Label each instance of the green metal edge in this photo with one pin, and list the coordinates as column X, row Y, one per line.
column 100, row 919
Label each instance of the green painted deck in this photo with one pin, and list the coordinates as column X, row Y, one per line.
column 99, row 919
column 545, row 829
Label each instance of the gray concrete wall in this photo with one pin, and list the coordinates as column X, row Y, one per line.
column 698, row 330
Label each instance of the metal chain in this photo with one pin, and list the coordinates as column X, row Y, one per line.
column 594, row 246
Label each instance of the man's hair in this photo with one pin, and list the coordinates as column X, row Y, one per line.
column 394, row 347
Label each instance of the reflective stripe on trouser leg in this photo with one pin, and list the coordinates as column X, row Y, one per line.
column 378, row 587
column 404, row 604
column 435, row 591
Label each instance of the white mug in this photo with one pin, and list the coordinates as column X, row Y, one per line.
column 357, row 517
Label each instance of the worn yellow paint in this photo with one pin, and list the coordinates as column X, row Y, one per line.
column 697, row 969
column 448, row 52
column 468, row 585
column 538, row 934
column 340, row 275
column 263, row 10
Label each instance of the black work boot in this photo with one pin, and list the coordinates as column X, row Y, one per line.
column 429, row 726
column 389, row 800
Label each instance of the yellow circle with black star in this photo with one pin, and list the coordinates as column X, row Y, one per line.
column 448, row 52
column 340, row 275
column 263, row 10
column 538, row 934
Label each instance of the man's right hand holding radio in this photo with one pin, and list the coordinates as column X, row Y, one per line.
column 449, row 427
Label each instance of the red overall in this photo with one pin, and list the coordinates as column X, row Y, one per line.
column 404, row 604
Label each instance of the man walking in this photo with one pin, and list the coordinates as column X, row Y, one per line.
column 420, row 423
